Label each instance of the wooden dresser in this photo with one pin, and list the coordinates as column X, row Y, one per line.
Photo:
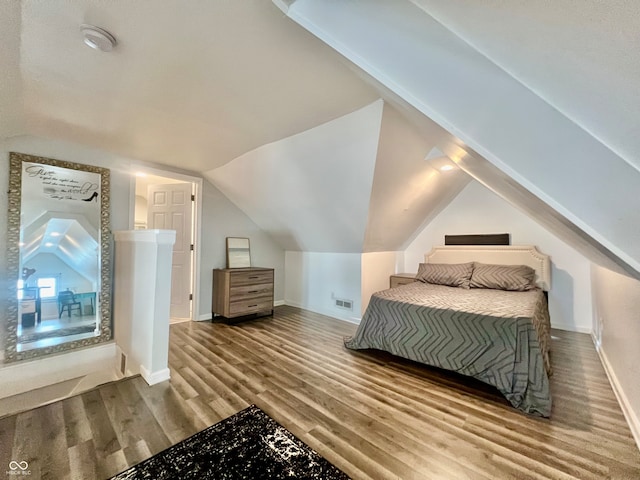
column 401, row 279
column 238, row 292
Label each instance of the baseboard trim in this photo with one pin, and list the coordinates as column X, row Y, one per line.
column 40, row 372
column 572, row 328
column 321, row 311
column 279, row 303
column 629, row 415
column 175, row 321
column 155, row 377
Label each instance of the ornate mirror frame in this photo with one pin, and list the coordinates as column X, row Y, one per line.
column 13, row 257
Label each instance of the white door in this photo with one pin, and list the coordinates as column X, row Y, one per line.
column 170, row 208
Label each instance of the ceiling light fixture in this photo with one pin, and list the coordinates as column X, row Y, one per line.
column 98, row 38
column 446, row 167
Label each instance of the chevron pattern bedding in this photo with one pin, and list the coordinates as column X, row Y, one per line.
column 499, row 337
column 503, row 277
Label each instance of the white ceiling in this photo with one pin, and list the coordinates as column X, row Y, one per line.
column 194, row 84
column 582, row 57
column 311, row 191
column 197, row 84
column 10, row 81
column 70, row 239
column 553, row 161
column 409, row 188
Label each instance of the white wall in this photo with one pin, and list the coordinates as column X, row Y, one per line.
column 314, row 280
column 49, row 265
column 478, row 210
column 95, row 364
column 377, row 267
column 310, row 191
column 220, row 217
column 140, row 211
column 142, row 291
column 617, row 313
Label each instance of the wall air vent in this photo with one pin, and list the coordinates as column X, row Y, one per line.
column 346, row 304
column 123, row 363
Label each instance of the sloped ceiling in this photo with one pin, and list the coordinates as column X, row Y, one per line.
column 544, row 152
column 359, row 183
column 540, row 99
column 11, row 110
column 409, row 189
column 310, row 191
column 70, row 239
column 581, row 57
column 194, row 83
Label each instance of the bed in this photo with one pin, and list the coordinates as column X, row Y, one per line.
column 500, row 337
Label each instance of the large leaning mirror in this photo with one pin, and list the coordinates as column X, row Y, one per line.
column 58, row 257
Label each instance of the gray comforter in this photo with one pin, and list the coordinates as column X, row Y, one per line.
column 498, row 337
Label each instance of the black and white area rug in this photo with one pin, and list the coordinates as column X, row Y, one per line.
column 247, row 445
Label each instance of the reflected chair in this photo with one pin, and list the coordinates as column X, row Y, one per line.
column 67, row 300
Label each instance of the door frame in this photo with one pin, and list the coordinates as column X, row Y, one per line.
column 197, row 221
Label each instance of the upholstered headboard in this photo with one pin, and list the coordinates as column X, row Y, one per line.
column 496, row 254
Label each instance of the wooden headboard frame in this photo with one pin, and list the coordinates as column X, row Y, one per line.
column 496, row 254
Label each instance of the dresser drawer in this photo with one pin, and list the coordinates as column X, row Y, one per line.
column 244, row 307
column 242, row 292
column 251, row 278
column 248, row 292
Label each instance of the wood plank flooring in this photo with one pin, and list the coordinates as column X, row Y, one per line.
column 371, row 414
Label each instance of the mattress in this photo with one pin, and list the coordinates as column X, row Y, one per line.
column 499, row 337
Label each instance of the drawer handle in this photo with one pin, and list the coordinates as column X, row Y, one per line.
column 251, row 306
column 254, row 277
column 252, row 291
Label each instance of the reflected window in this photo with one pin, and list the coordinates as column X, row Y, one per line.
column 48, row 287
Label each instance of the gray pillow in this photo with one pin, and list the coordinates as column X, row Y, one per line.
column 503, row 277
column 453, row 275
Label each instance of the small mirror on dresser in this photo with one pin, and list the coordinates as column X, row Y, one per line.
column 238, row 252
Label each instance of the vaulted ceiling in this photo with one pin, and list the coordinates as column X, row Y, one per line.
column 366, row 182
column 69, row 237
column 193, row 83
column 538, row 101
column 518, row 143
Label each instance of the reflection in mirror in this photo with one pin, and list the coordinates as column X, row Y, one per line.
column 238, row 252
column 59, row 219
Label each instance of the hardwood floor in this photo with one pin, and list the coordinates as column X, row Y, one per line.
column 372, row 415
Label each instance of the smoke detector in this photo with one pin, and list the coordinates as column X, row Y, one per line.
column 97, row 38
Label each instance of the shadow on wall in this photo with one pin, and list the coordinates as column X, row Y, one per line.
column 561, row 300
column 296, row 288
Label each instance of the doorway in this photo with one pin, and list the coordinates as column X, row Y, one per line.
column 166, row 200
